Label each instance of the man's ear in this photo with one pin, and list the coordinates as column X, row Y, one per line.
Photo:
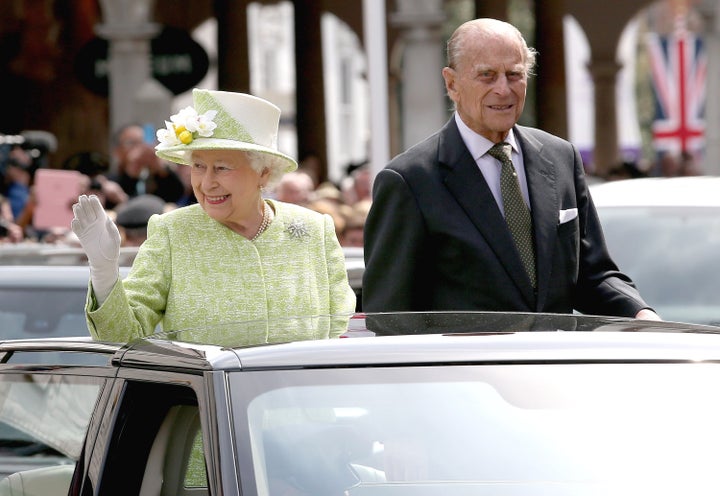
column 449, row 77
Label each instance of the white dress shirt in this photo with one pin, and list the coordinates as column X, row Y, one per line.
column 490, row 166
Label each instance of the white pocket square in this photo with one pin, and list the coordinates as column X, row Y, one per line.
column 567, row 215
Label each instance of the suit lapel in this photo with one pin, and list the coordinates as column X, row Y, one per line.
column 467, row 184
column 540, row 174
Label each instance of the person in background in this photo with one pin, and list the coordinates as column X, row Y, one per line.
column 295, row 187
column 357, row 186
column 10, row 232
column 312, row 165
column 132, row 218
column 96, row 166
column 443, row 233
column 146, row 173
column 18, row 180
column 227, row 259
column 139, row 170
column 124, row 139
column 325, row 206
column 188, row 196
column 352, row 234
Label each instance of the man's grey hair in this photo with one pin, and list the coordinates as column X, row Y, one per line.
column 456, row 43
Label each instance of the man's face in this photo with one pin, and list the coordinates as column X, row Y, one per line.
column 488, row 85
column 138, row 158
column 128, row 139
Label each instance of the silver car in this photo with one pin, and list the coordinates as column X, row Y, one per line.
column 458, row 404
column 665, row 234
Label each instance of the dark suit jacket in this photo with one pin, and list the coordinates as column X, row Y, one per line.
column 435, row 238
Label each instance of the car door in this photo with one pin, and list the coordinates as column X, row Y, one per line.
column 45, row 412
column 151, row 438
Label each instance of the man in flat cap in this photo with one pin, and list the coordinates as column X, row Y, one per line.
column 133, row 217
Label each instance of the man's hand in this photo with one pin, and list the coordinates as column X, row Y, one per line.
column 647, row 314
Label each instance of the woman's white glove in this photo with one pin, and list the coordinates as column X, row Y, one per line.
column 100, row 238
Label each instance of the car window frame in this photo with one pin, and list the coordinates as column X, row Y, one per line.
column 99, row 471
column 104, row 376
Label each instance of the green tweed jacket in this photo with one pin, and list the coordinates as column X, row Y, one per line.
column 195, row 275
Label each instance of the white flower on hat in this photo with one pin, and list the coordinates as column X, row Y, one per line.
column 187, row 125
column 168, row 136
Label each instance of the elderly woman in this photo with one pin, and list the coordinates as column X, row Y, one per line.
column 210, row 268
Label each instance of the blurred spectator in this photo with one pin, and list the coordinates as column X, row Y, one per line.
column 39, row 145
column 668, row 164
column 21, row 155
column 145, row 173
column 689, row 166
column 91, row 164
column 132, row 218
column 352, row 235
column 139, row 171
column 328, row 191
column 125, row 139
column 349, row 218
column 362, row 208
column 295, row 187
column 9, row 231
column 331, row 208
column 18, row 178
column 672, row 164
column 188, row 196
column 357, row 186
column 310, row 164
column 626, row 170
column 96, row 166
column 56, row 234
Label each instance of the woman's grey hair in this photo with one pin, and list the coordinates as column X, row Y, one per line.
column 456, row 44
column 260, row 161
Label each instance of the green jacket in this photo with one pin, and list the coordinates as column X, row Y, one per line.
column 195, row 275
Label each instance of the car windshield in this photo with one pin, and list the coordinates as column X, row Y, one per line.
column 524, row 429
column 672, row 255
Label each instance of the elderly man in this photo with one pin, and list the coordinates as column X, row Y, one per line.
column 486, row 214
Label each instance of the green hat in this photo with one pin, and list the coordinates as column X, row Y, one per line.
column 223, row 120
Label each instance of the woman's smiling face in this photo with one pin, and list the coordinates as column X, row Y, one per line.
column 226, row 185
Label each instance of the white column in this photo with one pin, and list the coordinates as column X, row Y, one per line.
column 135, row 96
column 423, row 106
column 375, row 41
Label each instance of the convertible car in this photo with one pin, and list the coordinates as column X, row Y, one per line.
column 456, row 404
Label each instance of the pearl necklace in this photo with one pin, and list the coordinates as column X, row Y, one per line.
column 265, row 221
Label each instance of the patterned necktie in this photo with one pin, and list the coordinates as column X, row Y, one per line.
column 517, row 214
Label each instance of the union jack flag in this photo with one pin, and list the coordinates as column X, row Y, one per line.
column 678, row 63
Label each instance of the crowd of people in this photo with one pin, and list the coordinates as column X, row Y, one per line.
column 347, row 203
column 132, row 181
